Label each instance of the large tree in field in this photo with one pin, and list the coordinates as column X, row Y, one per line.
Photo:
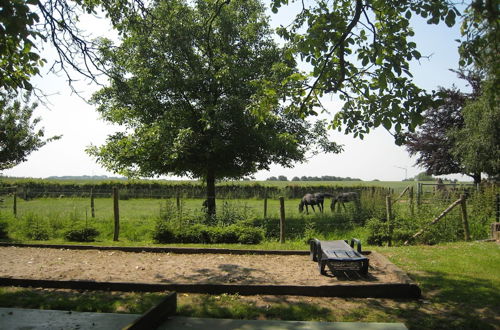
column 187, row 82
column 478, row 141
column 461, row 133
column 19, row 135
column 432, row 143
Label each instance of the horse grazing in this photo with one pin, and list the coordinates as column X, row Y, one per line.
column 345, row 198
column 313, row 199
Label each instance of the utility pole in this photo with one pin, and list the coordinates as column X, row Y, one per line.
column 406, row 171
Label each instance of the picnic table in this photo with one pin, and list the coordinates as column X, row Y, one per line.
column 338, row 256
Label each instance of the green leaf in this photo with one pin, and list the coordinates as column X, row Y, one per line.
column 450, row 18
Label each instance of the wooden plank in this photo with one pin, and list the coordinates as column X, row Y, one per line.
column 379, row 290
column 178, row 250
column 157, row 315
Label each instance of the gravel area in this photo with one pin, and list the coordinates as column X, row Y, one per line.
column 145, row 267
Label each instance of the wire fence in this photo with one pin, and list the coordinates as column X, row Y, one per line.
column 136, row 208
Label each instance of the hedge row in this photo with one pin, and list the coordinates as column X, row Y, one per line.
column 199, row 233
column 157, row 189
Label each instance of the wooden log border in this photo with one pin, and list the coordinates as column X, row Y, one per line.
column 382, row 290
column 179, row 250
column 156, row 315
column 403, row 288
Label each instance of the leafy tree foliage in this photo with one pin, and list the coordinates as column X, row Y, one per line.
column 25, row 25
column 185, row 82
column 461, row 135
column 361, row 51
column 18, row 133
column 477, row 143
column 432, row 141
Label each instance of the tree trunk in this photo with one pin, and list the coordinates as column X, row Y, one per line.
column 476, row 177
column 210, row 193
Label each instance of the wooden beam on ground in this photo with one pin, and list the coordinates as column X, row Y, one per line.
column 379, row 290
column 155, row 316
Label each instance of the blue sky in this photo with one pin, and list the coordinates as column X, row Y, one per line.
column 375, row 157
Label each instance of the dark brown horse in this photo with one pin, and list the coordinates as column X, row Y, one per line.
column 345, row 198
column 313, row 199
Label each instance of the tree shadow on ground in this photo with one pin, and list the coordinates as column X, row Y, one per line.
column 225, row 274
column 231, row 306
column 81, row 301
column 448, row 303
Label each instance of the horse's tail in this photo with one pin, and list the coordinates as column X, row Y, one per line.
column 301, row 206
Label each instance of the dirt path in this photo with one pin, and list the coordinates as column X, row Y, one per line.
column 117, row 266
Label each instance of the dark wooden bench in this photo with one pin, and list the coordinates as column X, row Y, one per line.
column 338, row 256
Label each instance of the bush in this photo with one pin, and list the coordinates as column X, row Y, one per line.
column 248, row 235
column 163, row 234
column 378, row 232
column 38, row 233
column 36, row 228
column 3, row 229
column 223, row 235
column 192, row 234
column 198, row 233
column 81, row 235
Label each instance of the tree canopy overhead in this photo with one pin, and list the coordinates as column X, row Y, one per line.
column 185, row 83
column 361, row 51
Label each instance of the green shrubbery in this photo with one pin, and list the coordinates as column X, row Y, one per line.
column 200, row 233
column 81, row 235
column 3, row 229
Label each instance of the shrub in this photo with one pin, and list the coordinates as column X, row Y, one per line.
column 38, row 233
column 198, row 233
column 192, row 234
column 163, row 234
column 3, row 229
column 36, row 228
column 378, row 232
column 223, row 235
column 248, row 235
column 81, row 235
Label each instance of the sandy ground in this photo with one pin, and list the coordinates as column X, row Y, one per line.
column 117, row 266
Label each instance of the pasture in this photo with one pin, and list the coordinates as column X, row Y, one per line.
column 46, row 217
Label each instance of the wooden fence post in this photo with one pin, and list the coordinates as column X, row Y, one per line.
column 116, row 211
column 265, row 203
column 388, row 205
column 465, row 222
column 178, row 201
column 498, row 207
column 419, row 194
column 92, row 205
column 14, row 206
column 412, row 206
column 282, row 220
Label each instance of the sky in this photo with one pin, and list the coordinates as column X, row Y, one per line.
column 375, row 157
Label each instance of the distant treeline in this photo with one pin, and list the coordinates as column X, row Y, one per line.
column 167, row 189
column 85, row 177
column 313, row 178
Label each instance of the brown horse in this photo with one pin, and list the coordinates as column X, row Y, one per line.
column 313, row 199
column 345, row 198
